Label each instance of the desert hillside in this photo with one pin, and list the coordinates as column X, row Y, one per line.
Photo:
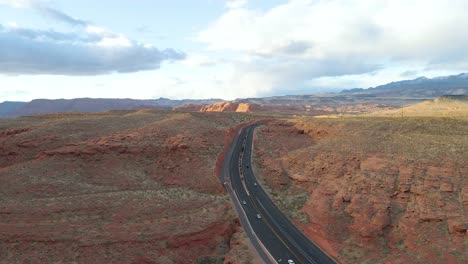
column 372, row 189
column 44, row 106
column 116, row 187
column 332, row 106
column 444, row 106
column 139, row 186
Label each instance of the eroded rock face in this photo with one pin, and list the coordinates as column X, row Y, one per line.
column 256, row 108
column 367, row 205
column 121, row 187
column 228, row 107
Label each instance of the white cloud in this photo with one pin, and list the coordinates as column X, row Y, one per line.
column 17, row 3
column 236, row 3
column 351, row 27
column 118, row 41
column 91, row 29
column 298, row 46
column 302, row 40
column 12, row 24
column 87, row 50
column 29, row 51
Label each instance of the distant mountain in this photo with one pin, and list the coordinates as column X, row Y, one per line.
column 421, row 87
column 41, row 106
column 8, row 108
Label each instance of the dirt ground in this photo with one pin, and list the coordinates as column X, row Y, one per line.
column 372, row 189
column 116, row 187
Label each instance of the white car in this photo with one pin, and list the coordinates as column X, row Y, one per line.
column 255, row 184
column 259, row 216
column 244, row 202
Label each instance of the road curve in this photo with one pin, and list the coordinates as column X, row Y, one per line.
column 273, row 235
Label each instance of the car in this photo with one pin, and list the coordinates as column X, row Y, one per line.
column 259, row 216
column 225, row 183
column 255, row 184
column 244, row 202
column 290, row 261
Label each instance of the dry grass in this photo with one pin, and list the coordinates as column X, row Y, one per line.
column 446, row 106
column 411, row 166
column 415, row 138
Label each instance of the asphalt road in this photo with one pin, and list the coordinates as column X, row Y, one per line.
column 276, row 239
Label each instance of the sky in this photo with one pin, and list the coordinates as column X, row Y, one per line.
column 224, row 49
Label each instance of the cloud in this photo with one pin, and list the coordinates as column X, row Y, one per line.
column 353, row 27
column 236, row 3
column 302, row 40
column 27, row 51
column 409, row 73
column 44, row 9
column 58, row 15
column 90, row 50
column 17, row 3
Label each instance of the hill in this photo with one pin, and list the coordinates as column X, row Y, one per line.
column 116, row 187
column 444, row 106
column 138, row 186
column 310, row 106
column 421, row 87
column 371, row 189
column 227, row 107
column 42, row 106
column 8, row 108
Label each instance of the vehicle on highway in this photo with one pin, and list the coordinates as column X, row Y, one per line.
column 274, row 237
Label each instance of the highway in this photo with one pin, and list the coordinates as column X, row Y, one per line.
column 273, row 235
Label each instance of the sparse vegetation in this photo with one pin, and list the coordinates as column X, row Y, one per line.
column 119, row 186
column 414, row 138
column 378, row 187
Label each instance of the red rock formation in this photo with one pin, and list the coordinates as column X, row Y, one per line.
column 228, row 107
column 220, row 107
column 364, row 205
column 117, row 187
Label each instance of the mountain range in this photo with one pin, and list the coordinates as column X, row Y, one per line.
column 419, row 87
column 394, row 94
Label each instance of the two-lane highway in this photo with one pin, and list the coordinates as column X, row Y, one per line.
column 276, row 239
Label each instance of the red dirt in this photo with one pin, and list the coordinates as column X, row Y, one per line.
column 365, row 205
column 116, row 187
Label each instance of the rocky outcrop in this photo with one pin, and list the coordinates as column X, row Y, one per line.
column 363, row 204
column 116, row 187
column 228, row 107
